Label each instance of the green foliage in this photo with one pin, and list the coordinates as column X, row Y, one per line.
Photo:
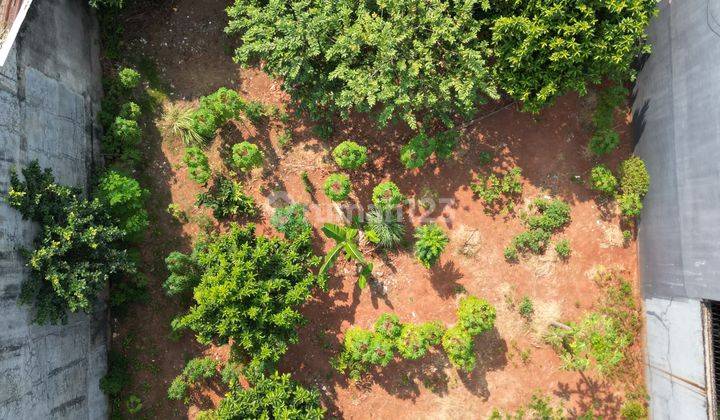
column 499, row 191
column 526, row 308
column 75, row 253
column 226, row 198
column 431, row 240
column 634, row 177
column 128, row 78
column 402, row 59
column 195, row 370
column 562, row 247
column 270, row 397
column 337, row 187
column 132, row 288
column 177, row 212
column 180, row 121
column 125, row 200
column 184, row 273
column 250, row 290
column 133, row 404
column 130, row 111
column 117, row 376
column 388, row 326
column 543, row 49
column 345, row 241
column 458, row 345
column 246, row 156
column 204, row 122
column 122, row 139
column 485, row 158
column 198, row 165
column 415, row 340
column 291, row 221
column 603, row 180
column 419, row 149
column 387, row 196
column 634, row 410
column 551, row 215
column 475, row 315
column 386, row 226
column 606, row 139
column 349, row 155
column 539, row 408
column 510, row 253
column 630, row 204
column 534, row 240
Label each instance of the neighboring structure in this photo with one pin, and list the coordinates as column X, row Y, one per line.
column 49, row 94
column 677, row 119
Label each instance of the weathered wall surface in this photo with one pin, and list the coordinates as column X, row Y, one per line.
column 49, row 92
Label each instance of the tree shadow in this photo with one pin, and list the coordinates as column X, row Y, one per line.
column 444, row 278
column 593, row 396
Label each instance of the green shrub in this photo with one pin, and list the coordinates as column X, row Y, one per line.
column 184, row 273
column 205, row 123
column 497, row 191
column 195, row 370
column 485, row 158
column 634, row 177
column 363, row 349
column 552, row 215
column 349, row 155
column 387, row 196
column 526, row 308
column 125, row 200
column 225, row 104
column 388, row 326
column 197, row 164
column 369, row 57
column 178, row 389
column 630, row 204
column 545, row 49
column 250, row 290
column 417, row 151
column 510, row 253
column 539, row 408
column 386, row 226
column 179, row 120
column 128, row 78
column 133, row 404
column 226, row 198
column 337, row 187
column 247, row 156
column 634, row 410
column 563, row 249
column 131, row 288
column 603, row 180
column 604, row 141
column 130, row 111
column 122, row 140
column 415, row 340
column 475, row 315
column 177, row 212
column 458, row 345
column 76, row 252
column 117, row 376
column 291, row 221
column 430, row 243
column 270, row 397
column 532, row 240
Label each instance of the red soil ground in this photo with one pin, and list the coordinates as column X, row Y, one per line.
column 185, row 40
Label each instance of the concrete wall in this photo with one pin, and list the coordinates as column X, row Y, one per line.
column 49, row 93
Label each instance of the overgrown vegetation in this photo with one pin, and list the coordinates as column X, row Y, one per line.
column 346, row 239
column 386, row 227
column 430, row 242
column 606, row 138
column 290, row 220
column 337, row 187
column 544, row 218
column 226, row 198
column 499, row 193
column 349, row 155
column 364, row 349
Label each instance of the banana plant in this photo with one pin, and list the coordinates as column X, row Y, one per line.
column 346, row 241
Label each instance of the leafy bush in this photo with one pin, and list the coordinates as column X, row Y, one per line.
column 458, row 345
column 270, row 397
column 291, row 220
column 420, row 147
column 634, row 410
column 125, row 200
column 510, row 253
column 544, row 49
column 415, row 340
column 184, row 273
column 129, row 78
column 604, row 141
column 387, row 196
column 363, row 349
column 130, row 111
column 634, row 177
column 475, row 315
column 388, row 326
column 526, row 308
column 179, row 120
column 226, row 198
column 630, row 204
column 246, row 156
column 337, row 187
column 198, row 165
column 386, row 226
column 349, row 155
column 117, row 376
column 205, row 123
column 343, row 56
column 552, row 215
column 346, row 241
column 195, row 370
column 563, row 249
column 122, row 139
column 250, row 290
column 177, row 212
column 76, row 251
column 603, row 180
column 431, row 241
column 497, row 191
column 539, row 408
column 133, row 404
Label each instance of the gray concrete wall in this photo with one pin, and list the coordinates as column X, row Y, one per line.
column 49, row 93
